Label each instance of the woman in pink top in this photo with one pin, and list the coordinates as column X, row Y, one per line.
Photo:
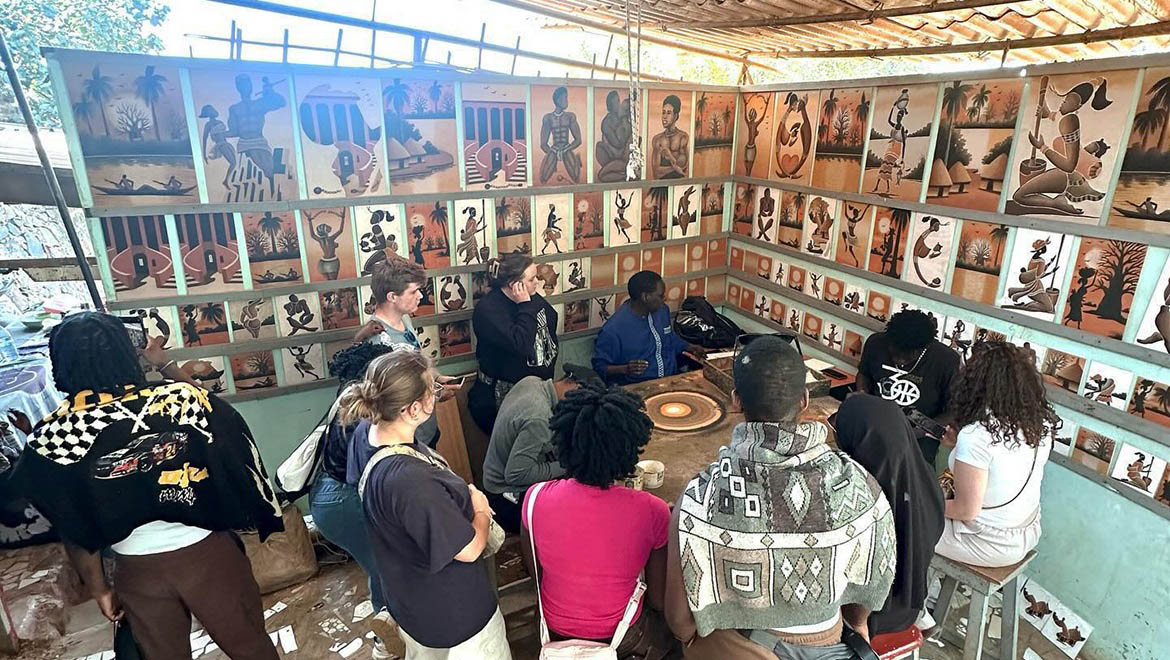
column 593, row 538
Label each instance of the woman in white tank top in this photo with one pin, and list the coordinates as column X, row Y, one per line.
column 1005, row 428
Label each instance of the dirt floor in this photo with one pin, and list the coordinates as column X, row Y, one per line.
column 328, row 617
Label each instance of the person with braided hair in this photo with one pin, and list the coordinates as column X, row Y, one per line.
column 160, row 473
column 593, row 538
column 1002, row 436
column 521, row 451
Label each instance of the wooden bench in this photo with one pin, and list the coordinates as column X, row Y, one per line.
column 983, row 582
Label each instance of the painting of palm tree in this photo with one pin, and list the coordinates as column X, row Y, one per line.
column 132, row 130
column 970, row 152
column 435, row 92
column 1000, row 236
column 271, row 226
column 438, row 218
column 83, row 109
column 149, row 87
column 1141, row 199
column 99, row 89
column 954, row 104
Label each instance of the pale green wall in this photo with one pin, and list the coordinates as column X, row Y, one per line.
column 1100, row 554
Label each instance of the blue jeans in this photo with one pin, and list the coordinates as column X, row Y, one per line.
column 337, row 510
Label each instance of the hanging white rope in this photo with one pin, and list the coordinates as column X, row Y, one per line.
column 637, row 160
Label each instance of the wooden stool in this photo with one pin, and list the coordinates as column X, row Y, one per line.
column 983, row 582
column 896, row 645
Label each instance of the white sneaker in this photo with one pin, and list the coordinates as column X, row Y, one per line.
column 384, row 626
column 380, row 652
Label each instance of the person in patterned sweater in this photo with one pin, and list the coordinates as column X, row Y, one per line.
column 161, row 473
column 802, row 536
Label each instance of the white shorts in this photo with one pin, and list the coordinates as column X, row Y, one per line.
column 490, row 643
column 983, row 545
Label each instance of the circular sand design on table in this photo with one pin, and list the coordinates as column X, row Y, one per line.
column 683, row 411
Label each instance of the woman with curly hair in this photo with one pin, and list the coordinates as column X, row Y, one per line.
column 594, row 538
column 1004, row 434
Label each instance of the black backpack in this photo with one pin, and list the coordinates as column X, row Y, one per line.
column 697, row 322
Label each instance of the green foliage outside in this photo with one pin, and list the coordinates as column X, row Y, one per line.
column 28, row 25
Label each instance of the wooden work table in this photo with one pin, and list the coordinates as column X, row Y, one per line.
column 684, row 454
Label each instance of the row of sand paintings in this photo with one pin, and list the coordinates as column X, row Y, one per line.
column 302, row 314
column 347, row 242
column 1141, row 470
column 210, row 324
column 1100, row 276
column 359, row 136
column 1094, row 380
column 1072, row 128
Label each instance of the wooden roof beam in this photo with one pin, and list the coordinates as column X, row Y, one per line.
column 861, row 15
column 602, row 26
column 1129, row 32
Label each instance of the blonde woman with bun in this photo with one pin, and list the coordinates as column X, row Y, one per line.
column 427, row 527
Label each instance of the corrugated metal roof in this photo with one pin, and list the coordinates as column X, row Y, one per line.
column 814, row 28
column 16, row 147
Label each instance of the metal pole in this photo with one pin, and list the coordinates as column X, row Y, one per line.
column 50, row 176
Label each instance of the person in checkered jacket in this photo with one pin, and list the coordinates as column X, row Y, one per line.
column 161, row 473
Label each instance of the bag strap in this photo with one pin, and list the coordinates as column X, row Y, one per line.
column 383, row 453
column 1035, row 455
column 623, row 626
column 544, row 636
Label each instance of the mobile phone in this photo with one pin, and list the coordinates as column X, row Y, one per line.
column 136, row 329
column 925, row 424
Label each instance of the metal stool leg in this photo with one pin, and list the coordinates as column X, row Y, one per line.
column 943, row 604
column 1009, row 620
column 976, row 626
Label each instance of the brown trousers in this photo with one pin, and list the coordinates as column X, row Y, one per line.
column 212, row 580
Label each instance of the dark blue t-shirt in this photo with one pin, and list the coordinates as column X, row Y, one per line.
column 419, row 518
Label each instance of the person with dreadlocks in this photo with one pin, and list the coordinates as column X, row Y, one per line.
column 593, row 538
column 1005, row 427
column 907, row 365
column 521, row 451
column 161, row 473
column 334, row 500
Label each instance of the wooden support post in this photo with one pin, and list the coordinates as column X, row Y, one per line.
column 239, row 43
column 515, row 54
column 615, row 66
column 593, row 66
column 337, row 50
column 426, row 44
column 448, row 58
column 479, row 57
column 232, row 41
column 284, row 48
column 416, row 51
column 373, row 31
